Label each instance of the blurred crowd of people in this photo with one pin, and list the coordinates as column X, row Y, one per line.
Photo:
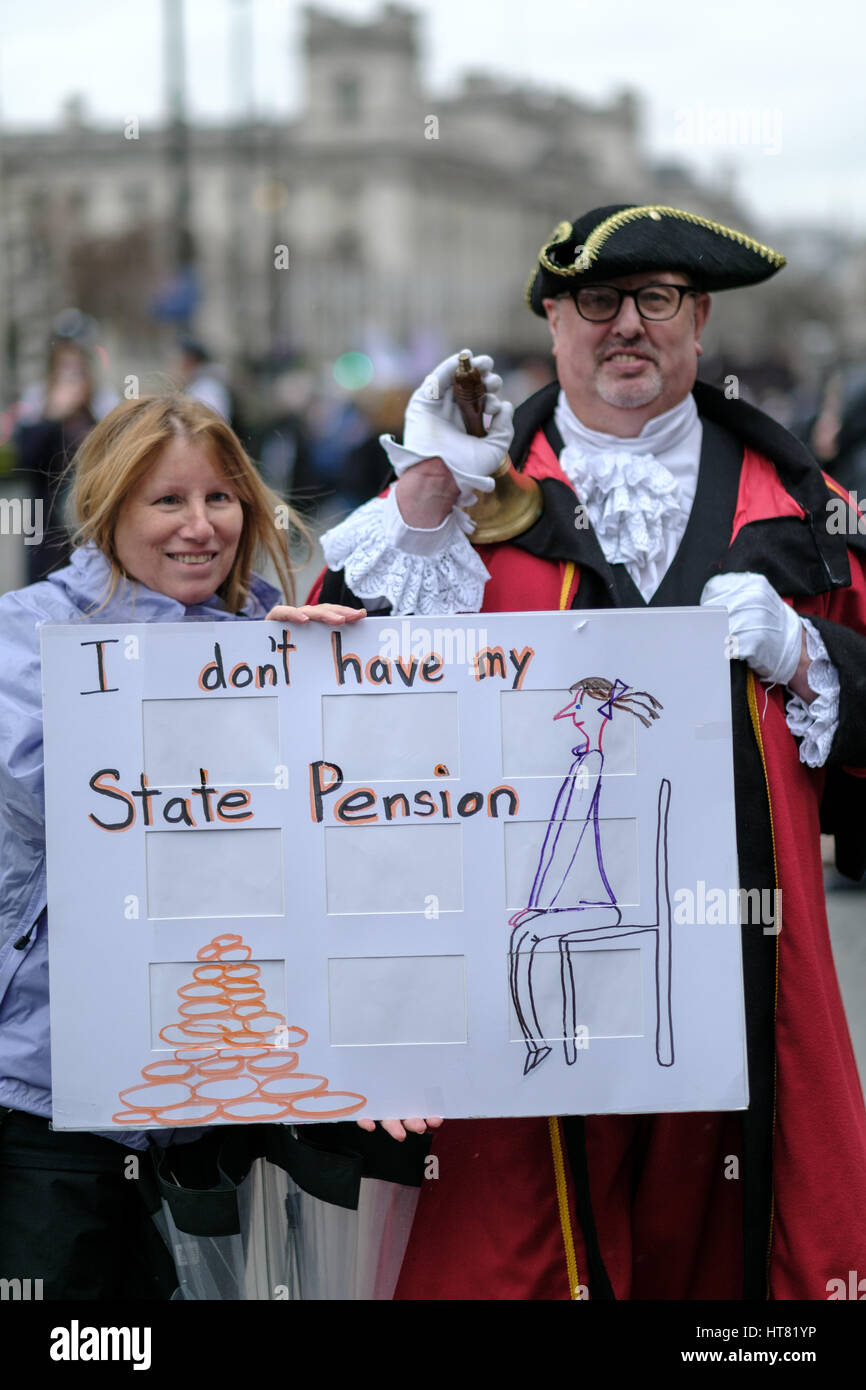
column 318, row 442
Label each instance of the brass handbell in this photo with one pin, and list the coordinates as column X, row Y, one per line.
column 513, row 506
column 516, row 501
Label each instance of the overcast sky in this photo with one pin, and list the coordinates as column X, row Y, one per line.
column 797, row 69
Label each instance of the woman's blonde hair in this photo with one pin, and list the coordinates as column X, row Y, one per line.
column 117, row 455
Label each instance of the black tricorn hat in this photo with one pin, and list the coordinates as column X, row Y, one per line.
column 624, row 238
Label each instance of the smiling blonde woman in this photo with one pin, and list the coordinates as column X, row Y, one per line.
column 172, row 515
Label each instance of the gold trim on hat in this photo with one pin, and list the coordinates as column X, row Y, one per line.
column 599, row 235
column 561, row 232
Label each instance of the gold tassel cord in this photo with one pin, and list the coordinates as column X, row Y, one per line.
column 562, row 1204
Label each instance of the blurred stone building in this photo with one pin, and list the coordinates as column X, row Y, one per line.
column 382, row 212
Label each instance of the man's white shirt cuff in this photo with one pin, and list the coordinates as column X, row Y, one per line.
column 414, row 569
column 816, row 723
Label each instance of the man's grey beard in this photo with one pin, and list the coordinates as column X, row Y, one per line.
column 629, row 395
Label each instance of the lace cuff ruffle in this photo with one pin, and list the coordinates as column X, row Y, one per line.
column 416, row 571
column 816, row 723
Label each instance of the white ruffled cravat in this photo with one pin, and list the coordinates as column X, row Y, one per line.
column 638, row 492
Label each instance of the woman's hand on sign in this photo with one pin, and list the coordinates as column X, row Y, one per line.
column 334, row 614
column 398, row 1129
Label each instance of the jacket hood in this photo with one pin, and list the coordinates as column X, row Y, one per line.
column 84, row 583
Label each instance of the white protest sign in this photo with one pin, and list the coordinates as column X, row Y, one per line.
column 303, row 874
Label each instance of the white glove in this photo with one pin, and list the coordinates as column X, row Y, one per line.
column 434, row 429
column 767, row 631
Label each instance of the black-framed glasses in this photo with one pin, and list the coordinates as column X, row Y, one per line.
column 601, row 303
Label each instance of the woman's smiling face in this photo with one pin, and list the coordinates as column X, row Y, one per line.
column 178, row 531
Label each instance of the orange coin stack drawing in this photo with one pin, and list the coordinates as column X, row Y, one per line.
column 236, row 1060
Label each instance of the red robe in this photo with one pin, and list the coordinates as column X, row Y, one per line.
column 650, row 1207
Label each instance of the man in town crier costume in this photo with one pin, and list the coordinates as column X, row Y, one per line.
column 659, row 491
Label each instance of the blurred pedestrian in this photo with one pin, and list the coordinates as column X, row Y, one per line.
column 281, row 445
column 366, row 469
column 61, row 415
column 848, row 461
column 202, row 378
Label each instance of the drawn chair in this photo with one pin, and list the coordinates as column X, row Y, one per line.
column 579, row 938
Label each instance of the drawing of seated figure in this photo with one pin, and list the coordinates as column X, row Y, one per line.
column 571, row 885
